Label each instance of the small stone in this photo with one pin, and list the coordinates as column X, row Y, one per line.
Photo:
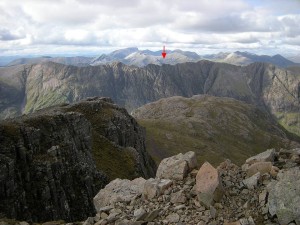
column 24, row 223
column 213, row 212
column 152, row 215
column 112, row 217
column 246, row 205
column 97, row 217
column 232, row 223
column 244, row 221
column 262, row 197
column 140, row 214
column 173, row 218
column 89, row 221
column 245, row 191
column 252, row 181
column 178, row 197
column 218, row 205
column 155, row 187
column 103, row 215
column 179, row 207
column 274, row 171
column 251, row 221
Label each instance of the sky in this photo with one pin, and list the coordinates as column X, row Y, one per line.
column 83, row 27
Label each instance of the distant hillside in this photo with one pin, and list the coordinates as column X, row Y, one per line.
column 215, row 128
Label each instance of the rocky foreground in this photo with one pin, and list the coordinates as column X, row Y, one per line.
column 265, row 190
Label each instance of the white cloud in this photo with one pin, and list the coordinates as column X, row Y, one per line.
column 91, row 25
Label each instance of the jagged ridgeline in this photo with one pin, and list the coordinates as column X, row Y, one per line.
column 54, row 161
column 27, row 88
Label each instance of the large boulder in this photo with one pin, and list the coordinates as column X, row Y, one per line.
column 208, row 185
column 284, row 196
column 177, row 167
column 119, row 191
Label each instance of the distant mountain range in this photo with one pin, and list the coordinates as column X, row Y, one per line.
column 134, row 56
column 141, row 58
column 27, row 88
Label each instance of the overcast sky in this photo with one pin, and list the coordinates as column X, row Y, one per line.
column 95, row 26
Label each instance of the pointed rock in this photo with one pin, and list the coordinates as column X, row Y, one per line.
column 208, row 185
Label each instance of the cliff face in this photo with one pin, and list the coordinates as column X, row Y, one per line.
column 54, row 161
column 274, row 89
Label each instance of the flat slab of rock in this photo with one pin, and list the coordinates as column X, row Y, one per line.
column 208, row 185
column 119, row 191
column 262, row 167
column 177, row 167
column 284, row 196
column 267, row 156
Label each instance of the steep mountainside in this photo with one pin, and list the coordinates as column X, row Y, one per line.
column 42, row 85
column 213, row 127
column 54, row 161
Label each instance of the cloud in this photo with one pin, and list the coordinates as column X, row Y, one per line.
column 6, row 35
column 48, row 25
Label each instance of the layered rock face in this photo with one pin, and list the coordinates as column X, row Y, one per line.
column 54, row 161
column 272, row 197
column 42, row 85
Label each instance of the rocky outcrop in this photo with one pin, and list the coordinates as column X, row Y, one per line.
column 53, row 162
column 50, row 83
column 267, row 200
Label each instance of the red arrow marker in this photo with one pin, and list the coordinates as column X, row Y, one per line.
column 164, row 54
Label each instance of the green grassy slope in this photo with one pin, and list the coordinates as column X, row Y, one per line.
column 215, row 128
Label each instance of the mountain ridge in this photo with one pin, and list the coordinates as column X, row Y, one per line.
column 42, row 85
column 141, row 58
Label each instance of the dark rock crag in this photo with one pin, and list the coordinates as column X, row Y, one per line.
column 53, row 162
